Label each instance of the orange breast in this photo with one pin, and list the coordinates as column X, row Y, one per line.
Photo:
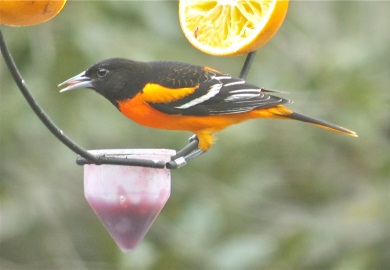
column 203, row 126
column 139, row 111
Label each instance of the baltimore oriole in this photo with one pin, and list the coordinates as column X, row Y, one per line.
column 180, row 96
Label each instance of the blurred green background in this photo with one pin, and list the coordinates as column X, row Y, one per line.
column 269, row 195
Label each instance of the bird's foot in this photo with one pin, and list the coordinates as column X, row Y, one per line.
column 189, row 152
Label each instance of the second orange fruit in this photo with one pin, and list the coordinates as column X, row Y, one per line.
column 24, row 13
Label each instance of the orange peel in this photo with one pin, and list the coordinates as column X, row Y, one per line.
column 25, row 13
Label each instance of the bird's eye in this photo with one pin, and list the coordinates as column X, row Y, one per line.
column 101, row 72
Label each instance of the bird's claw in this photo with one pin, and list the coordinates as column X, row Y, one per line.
column 193, row 138
column 184, row 155
column 177, row 163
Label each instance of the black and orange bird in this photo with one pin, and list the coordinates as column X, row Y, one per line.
column 181, row 96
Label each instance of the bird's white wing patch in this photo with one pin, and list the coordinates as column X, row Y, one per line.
column 214, row 90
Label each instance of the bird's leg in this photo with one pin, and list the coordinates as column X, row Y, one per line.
column 193, row 145
column 189, row 152
column 193, row 138
column 194, row 154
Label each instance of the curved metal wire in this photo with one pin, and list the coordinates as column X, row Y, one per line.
column 247, row 64
column 85, row 156
column 55, row 130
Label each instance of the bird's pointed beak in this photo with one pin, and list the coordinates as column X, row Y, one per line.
column 78, row 81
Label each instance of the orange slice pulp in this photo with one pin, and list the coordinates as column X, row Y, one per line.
column 230, row 27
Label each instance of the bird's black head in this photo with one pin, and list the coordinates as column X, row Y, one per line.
column 115, row 78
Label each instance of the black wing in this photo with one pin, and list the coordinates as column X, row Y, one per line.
column 217, row 93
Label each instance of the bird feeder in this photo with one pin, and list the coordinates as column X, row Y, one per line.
column 128, row 199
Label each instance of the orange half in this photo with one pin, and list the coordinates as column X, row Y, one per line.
column 230, row 27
